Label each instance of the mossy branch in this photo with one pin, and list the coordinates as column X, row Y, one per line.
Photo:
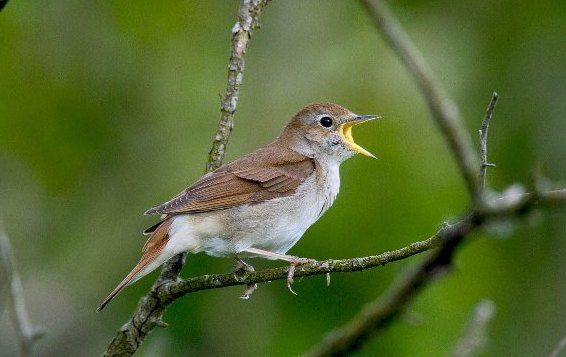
column 379, row 314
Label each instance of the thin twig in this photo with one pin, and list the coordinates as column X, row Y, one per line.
column 444, row 111
column 473, row 338
column 27, row 333
column 150, row 310
column 5, row 269
column 241, row 33
column 559, row 348
column 2, row 4
column 484, row 164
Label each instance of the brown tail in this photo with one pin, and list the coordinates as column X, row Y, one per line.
column 151, row 250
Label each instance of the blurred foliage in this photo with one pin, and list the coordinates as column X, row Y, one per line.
column 108, row 108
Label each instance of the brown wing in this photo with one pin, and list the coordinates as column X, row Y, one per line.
column 268, row 173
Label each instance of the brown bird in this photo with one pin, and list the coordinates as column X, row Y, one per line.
column 260, row 204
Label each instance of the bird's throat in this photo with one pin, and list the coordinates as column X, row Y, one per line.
column 345, row 131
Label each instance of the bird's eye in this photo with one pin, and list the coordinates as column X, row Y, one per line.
column 326, row 121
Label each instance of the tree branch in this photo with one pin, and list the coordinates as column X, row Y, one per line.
column 150, row 310
column 382, row 312
column 559, row 348
column 241, row 33
column 473, row 337
column 483, row 148
column 11, row 286
column 174, row 290
column 151, row 307
column 444, row 111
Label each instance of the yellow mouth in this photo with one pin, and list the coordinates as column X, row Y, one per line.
column 345, row 131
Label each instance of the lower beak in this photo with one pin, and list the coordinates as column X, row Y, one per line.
column 345, row 131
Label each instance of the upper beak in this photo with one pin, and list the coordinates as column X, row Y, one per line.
column 345, row 131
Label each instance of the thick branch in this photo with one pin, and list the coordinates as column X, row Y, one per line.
column 150, row 310
column 444, row 111
column 11, row 286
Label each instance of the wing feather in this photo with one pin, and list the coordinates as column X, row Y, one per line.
column 260, row 176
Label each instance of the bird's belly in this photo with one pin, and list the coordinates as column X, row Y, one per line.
column 278, row 234
column 274, row 226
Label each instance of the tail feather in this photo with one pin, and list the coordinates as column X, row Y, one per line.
column 152, row 258
column 127, row 280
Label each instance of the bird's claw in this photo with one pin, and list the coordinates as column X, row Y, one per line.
column 240, row 271
column 293, row 265
column 290, row 278
column 250, row 288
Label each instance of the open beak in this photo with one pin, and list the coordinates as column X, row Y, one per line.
column 345, row 131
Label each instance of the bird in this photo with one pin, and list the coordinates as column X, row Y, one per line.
column 260, row 204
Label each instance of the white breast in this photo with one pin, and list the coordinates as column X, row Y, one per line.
column 283, row 221
column 331, row 181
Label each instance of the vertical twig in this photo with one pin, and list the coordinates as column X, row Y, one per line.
column 473, row 337
column 559, row 348
column 483, row 147
column 444, row 111
column 11, row 286
column 241, row 33
column 150, row 309
column 248, row 20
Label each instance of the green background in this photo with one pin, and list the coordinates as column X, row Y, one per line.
column 108, row 108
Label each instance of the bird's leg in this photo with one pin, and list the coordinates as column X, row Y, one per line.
column 293, row 261
column 241, row 267
column 240, row 270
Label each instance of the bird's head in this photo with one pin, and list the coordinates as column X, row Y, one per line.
column 324, row 131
